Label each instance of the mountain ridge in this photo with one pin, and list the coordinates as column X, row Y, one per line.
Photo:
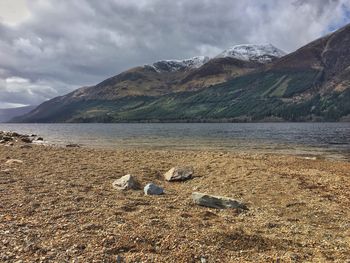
column 310, row 84
column 262, row 53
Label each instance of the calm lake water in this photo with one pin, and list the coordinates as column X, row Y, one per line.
column 330, row 140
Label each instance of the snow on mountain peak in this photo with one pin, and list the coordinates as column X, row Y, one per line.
column 176, row 65
column 251, row 52
column 247, row 52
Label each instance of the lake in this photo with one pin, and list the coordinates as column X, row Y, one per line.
column 330, row 140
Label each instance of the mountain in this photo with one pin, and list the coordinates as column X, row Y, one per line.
column 250, row 52
column 240, row 84
column 8, row 114
column 178, row 65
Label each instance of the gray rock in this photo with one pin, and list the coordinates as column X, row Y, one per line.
column 119, row 259
column 126, row 182
column 152, row 189
column 219, row 202
column 179, row 173
column 7, row 138
column 26, row 139
column 13, row 134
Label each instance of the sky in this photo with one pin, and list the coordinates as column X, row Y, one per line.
column 49, row 48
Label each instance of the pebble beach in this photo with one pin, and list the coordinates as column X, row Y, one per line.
column 58, row 204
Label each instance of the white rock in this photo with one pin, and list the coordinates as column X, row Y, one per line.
column 179, row 174
column 126, row 182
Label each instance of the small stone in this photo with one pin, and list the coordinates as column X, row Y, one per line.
column 13, row 161
column 313, row 158
column 40, row 139
column 219, row 202
column 73, row 145
column 152, row 189
column 25, row 146
column 13, row 134
column 119, row 259
column 7, row 138
column 179, row 174
column 126, row 182
column 26, row 139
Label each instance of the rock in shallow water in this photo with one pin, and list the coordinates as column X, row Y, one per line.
column 126, row 182
column 219, row 202
column 152, row 189
column 179, row 174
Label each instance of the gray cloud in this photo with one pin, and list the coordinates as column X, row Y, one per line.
column 66, row 44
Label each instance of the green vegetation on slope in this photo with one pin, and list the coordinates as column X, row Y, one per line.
column 252, row 97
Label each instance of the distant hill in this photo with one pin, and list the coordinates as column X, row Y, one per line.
column 243, row 83
column 8, row 114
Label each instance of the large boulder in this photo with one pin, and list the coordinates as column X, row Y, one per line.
column 152, row 189
column 126, row 182
column 179, row 173
column 219, row 202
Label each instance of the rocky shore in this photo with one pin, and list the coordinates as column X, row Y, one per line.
column 9, row 138
column 70, row 204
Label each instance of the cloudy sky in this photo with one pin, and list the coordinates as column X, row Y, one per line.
column 48, row 48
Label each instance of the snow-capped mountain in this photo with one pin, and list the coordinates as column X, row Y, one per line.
column 176, row 65
column 250, row 52
column 247, row 52
column 223, row 89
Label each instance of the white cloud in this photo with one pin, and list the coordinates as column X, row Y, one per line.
column 13, row 12
column 7, row 105
column 21, row 91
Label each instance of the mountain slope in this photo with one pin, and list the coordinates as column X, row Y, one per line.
column 310, row 84
column 10, row 113
column 164, row 77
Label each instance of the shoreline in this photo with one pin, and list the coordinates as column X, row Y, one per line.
column 330, row 151
column 59, row 205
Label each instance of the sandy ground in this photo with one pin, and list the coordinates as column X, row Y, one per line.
column 59, row 206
